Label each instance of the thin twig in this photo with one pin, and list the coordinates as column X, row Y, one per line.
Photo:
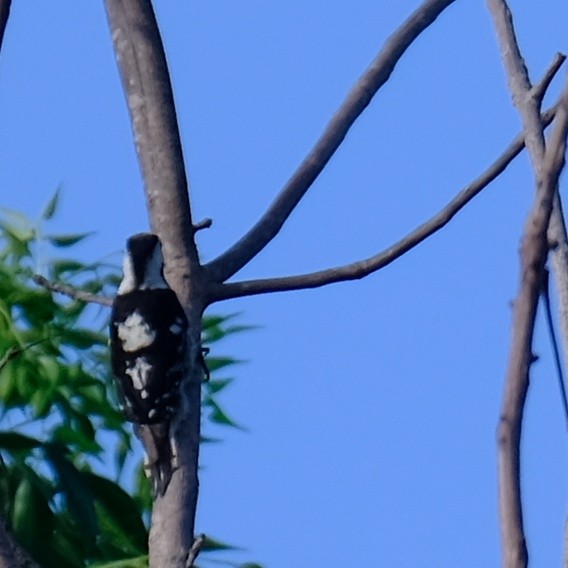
column 72, row 292
column 13, row 352
column 539, row 90
column 555, row 346
column 377, row 74
column 362, row 268
column 195, row 550
column 203, row 224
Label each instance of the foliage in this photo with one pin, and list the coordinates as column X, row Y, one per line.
column 61, row 434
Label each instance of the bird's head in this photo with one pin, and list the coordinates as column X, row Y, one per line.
column 143, row 265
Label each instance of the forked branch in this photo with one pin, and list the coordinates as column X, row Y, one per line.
column 360, row 269
column 377, row 74
column 534, row 251
column 533, row 257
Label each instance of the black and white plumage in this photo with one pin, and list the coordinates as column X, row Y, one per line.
column 148, row 352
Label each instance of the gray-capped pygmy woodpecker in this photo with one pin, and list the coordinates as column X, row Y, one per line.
column 148, row 330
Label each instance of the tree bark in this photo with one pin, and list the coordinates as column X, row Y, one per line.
column 145, row 78
column 11, row 554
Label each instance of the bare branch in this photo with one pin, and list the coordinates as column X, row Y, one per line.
column 565, row 555
column 195, row 550
column 5, row 6
column 378, row 73
column 519, row 81
column 203, row 224
column 72, row 292
column 365, row 267
column 534, row 251
column 539, row 91
column 528, row 104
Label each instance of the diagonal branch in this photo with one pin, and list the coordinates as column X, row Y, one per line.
column 539, row 90
column 546, row 217
column 528, row 104
column 534, row 251
column 71, row 292
column 360, row 269
column 378, row 73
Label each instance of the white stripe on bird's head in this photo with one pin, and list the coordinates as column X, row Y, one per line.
column 143, row 265
column 154, row 272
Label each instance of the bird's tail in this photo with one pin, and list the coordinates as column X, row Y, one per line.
column 160, row 460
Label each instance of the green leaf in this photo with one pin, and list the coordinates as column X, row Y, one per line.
column 67, row 546
column 18, row 240
column 62, row 241
column 64, row 266
column 210, row 321
column 82, row 338
column 51, row 206
column 118, row 515
column 8, row 385
column 52, row 370
column 211, row 544
column 17, row 219
column 26, row 381
column 209, row 440
column 13, row 441
column 143, row 491
column 218, row 415
column 84, row 426
column 217, row 385
column 78, row 498
column 70, row 437
column 42, row 400
column 216, row 363
column 38, row 307
column 32, row 519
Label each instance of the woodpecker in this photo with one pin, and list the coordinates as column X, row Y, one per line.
column 148, row 331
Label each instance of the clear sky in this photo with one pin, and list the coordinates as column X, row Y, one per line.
column 371, row 406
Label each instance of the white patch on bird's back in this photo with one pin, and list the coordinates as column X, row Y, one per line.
column 138, row 372
column 135, row 333
column 153, row 276
column 128, row 282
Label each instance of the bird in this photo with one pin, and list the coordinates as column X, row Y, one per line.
column 148, row 352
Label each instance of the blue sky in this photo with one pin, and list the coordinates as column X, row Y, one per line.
column 371, row 406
